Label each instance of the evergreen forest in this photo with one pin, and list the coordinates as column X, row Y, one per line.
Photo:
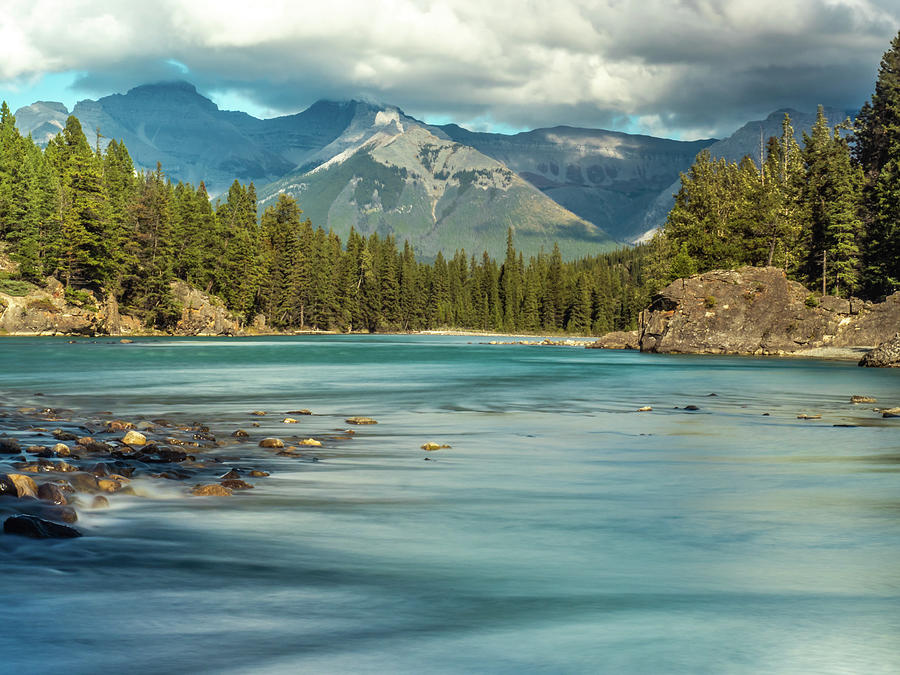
column 827, row 211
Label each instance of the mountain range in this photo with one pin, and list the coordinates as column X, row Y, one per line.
column 372, row 167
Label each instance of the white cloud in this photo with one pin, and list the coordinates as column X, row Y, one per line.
column 693, row 66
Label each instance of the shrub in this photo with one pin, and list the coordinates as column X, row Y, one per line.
column 709, row 301
column 811, row 301
column 15, row 287
column 42, row 305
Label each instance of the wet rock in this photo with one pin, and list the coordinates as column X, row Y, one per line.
column 289, row 420
column 8, row 487
column 232, row 474
column 360, row 420
column 144, row 425
column 212, row 490
column 88, row 445
column 311, row 442
column 236, row 484
column 61, row 449
column 9, row 446
column 863, row 399
column 125, row 341
column 431, row 446
column 271, row 443
column 890, row 412
column 645, row 408
column 61, row 435
column 304, row 411
column 99, row 469
column 804, row 416
column 118, row 425
column 83, row 482
column 109, row 485
column 25, row 485
column 40, row 451
column 38, row 528
column 691, row 407
column 240, row 433
column 100, row 502
column 134, row 438
column 259, row 413
column 256, row 473
column 49, row 492
column 62, row 514
column 254, row 424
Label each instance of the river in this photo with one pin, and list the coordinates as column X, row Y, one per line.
column 563, row 532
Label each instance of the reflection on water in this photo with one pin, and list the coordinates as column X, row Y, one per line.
column 563, row 532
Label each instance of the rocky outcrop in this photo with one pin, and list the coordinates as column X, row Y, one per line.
column 45, row 311
column 619, row 339
column 757, row 310
column 202, row 314
column 885, row 356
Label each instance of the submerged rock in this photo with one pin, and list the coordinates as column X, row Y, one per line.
column 9, row 446
column 863, row 399
column 256, row 473
column 360, row 420
column 38, row 528
column 240, row 433
column 100, row 502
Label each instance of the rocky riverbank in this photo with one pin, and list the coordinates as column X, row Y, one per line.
column 53, row 465
column 757, row 310
column 46, row 311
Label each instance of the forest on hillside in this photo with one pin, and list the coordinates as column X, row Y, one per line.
column 828, row 213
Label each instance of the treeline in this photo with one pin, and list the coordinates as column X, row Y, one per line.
column 828, row 212
column 85, row 216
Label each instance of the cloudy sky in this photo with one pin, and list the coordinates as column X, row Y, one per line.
column 678, row 68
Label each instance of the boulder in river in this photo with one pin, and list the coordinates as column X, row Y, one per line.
column 289, row 420
column 25, row 485
column 134, row 438
column 50, row 492
column 38, row 528
column 236, row 484
column 311, row 442
column 211, row 490
column 863, row 399
column 239, row 433
column 9, row 446
column 271, row 443
column 431, row 446
column 8, row 487
column 890, row 412
column 100, row 502
column 360, row 420
column 884, row 356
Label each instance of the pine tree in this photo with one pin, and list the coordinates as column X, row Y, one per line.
column 878, row 152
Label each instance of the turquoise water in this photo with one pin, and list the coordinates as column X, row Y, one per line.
column 563, row 532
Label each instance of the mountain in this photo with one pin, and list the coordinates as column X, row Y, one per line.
column 606, row 177
column 390, row 174
column 745, row 141
column 42, row 119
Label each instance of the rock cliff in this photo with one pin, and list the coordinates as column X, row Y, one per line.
column 757, row 310
column 885, row 356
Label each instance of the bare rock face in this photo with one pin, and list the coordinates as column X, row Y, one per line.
column 202, row 314
column 757, row 310
column 619, row 339
column 885, row 356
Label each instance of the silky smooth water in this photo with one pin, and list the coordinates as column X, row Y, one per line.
column 563, row 532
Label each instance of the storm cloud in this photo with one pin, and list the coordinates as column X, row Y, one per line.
column 694, row 68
